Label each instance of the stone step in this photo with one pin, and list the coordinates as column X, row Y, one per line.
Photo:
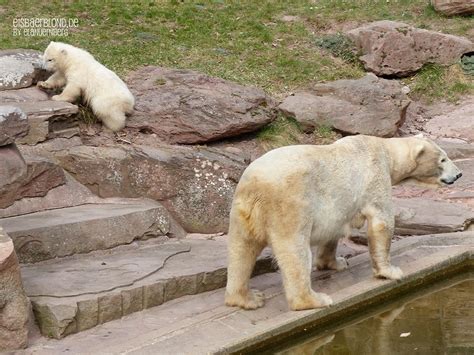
column 81, row 229
column 76, row 293
column 202, row 324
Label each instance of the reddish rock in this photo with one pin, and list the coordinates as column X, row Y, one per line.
column 195, row 184
column 183, row 106
column 456, row 122
column 392, row 48
column 46, row 118
column 13, row 124
column 369, row 105
column 454, row 7
column 19, row 179
column 14, row 305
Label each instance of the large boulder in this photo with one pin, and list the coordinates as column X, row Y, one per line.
column 13, row 124
column 20, row 68
column 369, row 105
column 392, row 48
column 195, row 184
column 14, row 305
column 46, row 118
column 454, row 7
column 184, row 106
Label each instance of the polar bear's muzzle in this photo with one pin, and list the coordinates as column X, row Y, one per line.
column 450, row 182
column 450, row 173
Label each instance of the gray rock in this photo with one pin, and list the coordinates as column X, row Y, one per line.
column 195, row 184
column 14, row 305
column 81, row 229
column 183, row 106
column 20, row 68
column 392, row 48
column 454, row 7
column 13, row 124
column 369, row 105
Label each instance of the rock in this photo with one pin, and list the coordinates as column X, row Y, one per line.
column 13, row 171
column 20, row 68
column 13, row 124
column 73, row 294
column 369, row 105
column 14, row 305
column 47, row 118
column 392, row 48
column 81, row 229
column 183, row 106
column 30, row 178
column 195, row 184
column 417, row 216
column 454, row 7
column 457, row 150
column 68, row 195
column 455, row 122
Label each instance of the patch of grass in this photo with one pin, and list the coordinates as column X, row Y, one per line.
column 340, row 46
column 435, row 82
column 324, row 134
column 245, row 41
column 281, row 132
column 467, row 63
column 86, row 115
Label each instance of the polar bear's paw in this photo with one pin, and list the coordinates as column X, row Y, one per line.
column 338, row 264
column 390, row 272
column 313, row 300
column 43, row 85
column 57, row 98
column 252, row 300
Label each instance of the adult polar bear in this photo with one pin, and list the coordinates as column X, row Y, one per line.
column 297, row 196
column 81, row 74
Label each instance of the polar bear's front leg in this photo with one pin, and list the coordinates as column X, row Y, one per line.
column 70, row 93
column 57, row 80
column 380, row 232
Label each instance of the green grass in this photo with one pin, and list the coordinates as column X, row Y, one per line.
column 435, row 82
column 245, row 41
column 281, row 132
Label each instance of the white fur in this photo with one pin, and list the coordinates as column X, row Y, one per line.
column 82, row 75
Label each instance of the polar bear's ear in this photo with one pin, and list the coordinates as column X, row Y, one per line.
column 419, row 135
column 418, row 150
column 63, row 52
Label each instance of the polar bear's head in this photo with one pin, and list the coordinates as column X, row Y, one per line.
column 432, row 163
column 54, row 56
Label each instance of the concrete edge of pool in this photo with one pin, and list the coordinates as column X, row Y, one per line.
column 202, row 324
column 454, row 255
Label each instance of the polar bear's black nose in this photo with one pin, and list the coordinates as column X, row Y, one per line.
column 458, row 176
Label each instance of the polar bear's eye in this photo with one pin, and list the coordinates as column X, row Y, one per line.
column 443, row 160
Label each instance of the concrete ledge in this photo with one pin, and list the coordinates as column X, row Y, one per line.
column 201, row 324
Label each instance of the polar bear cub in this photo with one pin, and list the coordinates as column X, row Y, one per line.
column 297, row 196
column 81, row 75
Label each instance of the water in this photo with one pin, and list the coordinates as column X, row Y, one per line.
column 441, row 322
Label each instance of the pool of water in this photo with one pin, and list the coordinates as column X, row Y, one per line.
column 438, row 322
